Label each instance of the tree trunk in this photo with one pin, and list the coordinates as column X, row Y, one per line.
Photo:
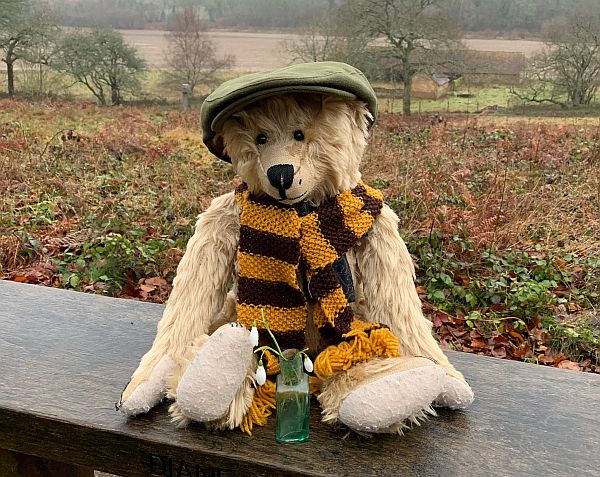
column 406, row 94
column 115, row 97
column 41, row 79
column 10, row 75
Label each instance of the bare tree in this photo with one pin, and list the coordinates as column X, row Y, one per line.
column 191, row 55
column 568, row 71
column 419, row 38
column 333, row 36
column 25, row 29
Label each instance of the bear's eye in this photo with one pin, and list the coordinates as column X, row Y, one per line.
column 261, row 139
column 298, row 135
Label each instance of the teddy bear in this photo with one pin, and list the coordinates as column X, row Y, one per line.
column 309, row 246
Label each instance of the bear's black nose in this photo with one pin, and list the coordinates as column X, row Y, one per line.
column 281, row 177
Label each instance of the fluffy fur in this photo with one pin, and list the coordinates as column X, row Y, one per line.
column 325, row 163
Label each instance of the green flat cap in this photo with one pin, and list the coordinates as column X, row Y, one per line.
column 327, row 77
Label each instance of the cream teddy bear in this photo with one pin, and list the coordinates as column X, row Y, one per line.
column 306, row 242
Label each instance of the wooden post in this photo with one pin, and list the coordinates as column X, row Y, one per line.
column 186, row 93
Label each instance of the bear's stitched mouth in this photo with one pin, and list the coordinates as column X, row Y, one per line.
column 292, row 198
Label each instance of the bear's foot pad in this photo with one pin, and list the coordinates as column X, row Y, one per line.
column 383, row 405
column 213, row 377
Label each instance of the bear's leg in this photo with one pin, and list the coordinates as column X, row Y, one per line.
column 384, row 394
column 215, row 387
column 151, row 391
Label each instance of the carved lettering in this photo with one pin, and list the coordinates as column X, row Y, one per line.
column 167, row 467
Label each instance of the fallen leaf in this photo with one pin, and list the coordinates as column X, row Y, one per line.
column 523, row 351
column 566, row 364
column 156, row 281
column 439, row 319
column 500, row 339
column 129, row 290
column 478, row 344
column 537, row 333
column 147, row 288
column 518, row 336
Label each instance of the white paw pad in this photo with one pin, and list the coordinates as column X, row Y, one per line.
column 214, row 375
column 456, row 394
column 378, row 405
column 150, row 392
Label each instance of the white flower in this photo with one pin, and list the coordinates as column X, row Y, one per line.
column 261, row 375
column 308, row 364
column 254, row 336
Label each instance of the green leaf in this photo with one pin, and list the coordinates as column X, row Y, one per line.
column 438, row 295
column 471, row 299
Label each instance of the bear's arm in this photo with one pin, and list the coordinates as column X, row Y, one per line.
column 199, row 289
column 388, row 274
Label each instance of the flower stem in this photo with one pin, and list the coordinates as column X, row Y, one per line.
column 266, row 324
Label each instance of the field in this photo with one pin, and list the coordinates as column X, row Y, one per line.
column 255, row 51
column 503, row 221
column 252, row 51
column 262, row 51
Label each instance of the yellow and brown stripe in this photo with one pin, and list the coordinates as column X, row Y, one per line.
column 331, row 232
column 268, row 256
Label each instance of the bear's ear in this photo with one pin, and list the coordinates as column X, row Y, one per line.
column 361, row 115
column 357, row 111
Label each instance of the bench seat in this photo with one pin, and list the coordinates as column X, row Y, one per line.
column 65, row 358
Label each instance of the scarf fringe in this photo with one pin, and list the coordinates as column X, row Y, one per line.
column 360, row 345
column 261, row 408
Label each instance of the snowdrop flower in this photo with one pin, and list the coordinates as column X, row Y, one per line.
column 308, row 364
column 261, row 374
column 254, row 336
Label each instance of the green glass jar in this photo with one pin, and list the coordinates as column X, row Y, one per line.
column 292, row 400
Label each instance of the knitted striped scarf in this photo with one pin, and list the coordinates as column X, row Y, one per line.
column 277, row 245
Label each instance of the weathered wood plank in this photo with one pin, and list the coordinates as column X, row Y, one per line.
column 65, row 357
column 13, row 464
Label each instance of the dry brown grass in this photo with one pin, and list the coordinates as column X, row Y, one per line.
column 507, row 188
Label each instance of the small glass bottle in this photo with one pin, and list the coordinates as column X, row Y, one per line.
column 292, row 400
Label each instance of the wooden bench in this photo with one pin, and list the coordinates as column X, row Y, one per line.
column 65, row 357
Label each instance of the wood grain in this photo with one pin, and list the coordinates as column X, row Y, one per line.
column 13, row 464
column 65, row 357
